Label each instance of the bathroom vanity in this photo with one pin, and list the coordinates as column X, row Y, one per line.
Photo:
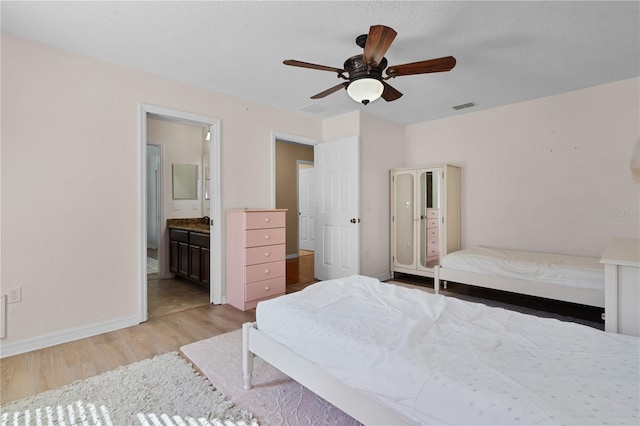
column 189, row 250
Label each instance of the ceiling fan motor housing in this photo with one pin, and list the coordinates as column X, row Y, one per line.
column 357, row 69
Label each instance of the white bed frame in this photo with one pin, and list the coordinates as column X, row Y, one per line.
column 353, row 402
column 581, row 296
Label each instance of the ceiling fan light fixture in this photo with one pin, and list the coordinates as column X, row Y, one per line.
column 365, row 90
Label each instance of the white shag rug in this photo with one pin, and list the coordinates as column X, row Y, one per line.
column 164, row 390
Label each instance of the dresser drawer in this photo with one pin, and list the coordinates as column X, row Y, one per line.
column 432, row 252
column 264, row 254
column 264, row 271
column 265, row 237
column 433, row 233
column 263, row 289
column 433, row 213
column 432, row 223
column 260, row 220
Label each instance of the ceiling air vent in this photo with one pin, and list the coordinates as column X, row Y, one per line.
column 312, row 108
column 463, row 106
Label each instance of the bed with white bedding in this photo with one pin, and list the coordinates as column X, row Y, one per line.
column 387, row 354
column 574, row 279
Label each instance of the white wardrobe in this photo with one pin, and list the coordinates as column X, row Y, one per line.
column 425, row 217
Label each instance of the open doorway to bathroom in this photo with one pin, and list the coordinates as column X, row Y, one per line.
column 186, row 143
column 174, row 146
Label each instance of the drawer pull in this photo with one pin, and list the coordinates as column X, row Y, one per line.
column 267, row 254
column 266, row 237
column 267, row 288
column 266, row 271
column 266, row 219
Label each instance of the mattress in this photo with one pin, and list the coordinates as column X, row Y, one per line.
column 441, row 360
column 572, row 271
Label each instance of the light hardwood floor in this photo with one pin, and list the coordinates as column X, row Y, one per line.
column 34, row 372
column 173, row 295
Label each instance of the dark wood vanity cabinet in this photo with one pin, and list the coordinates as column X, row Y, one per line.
column 189, row 256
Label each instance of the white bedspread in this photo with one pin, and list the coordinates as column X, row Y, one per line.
column 573, row 271
column 440, row 360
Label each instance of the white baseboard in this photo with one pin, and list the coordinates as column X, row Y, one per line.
column 32, row 344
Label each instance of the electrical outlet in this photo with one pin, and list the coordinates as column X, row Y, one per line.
column 14, row 295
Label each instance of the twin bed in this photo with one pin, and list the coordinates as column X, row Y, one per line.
column 387, row 354
column 574, row 279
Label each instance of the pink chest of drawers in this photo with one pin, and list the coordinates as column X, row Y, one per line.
column 256, row 268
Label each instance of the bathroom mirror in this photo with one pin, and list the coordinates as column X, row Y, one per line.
column 185, row 181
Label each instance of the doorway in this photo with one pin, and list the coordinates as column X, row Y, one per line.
column 183, row 147
column 290, row 158
column 210, row 163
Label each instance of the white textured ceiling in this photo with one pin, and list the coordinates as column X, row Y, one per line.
column 506, row 51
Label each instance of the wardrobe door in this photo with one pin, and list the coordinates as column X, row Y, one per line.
column 404, row 215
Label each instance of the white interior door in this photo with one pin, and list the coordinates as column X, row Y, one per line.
column 337, row 225
column 307, row 207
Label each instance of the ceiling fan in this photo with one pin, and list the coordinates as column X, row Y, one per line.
column 365, row 82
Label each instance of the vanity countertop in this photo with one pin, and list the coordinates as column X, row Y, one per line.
column 191, row 224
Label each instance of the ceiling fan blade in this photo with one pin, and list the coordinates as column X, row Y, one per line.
column 423, row 67
column 330, row 91
column 295, row 63
column 390, row 94
column 378, row 41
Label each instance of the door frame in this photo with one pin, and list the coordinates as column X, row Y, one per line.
column 144, row 110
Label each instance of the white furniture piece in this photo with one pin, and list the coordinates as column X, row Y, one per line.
column 425, row 217
column 256, row 268
column 387, row 354
column 621, row 260
column 574, row 279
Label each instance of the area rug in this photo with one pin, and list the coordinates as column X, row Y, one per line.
column 275, row 399
column 164, row 390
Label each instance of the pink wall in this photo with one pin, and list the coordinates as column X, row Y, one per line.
column 381, row 149
column 70, row 214
column 550, row 174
